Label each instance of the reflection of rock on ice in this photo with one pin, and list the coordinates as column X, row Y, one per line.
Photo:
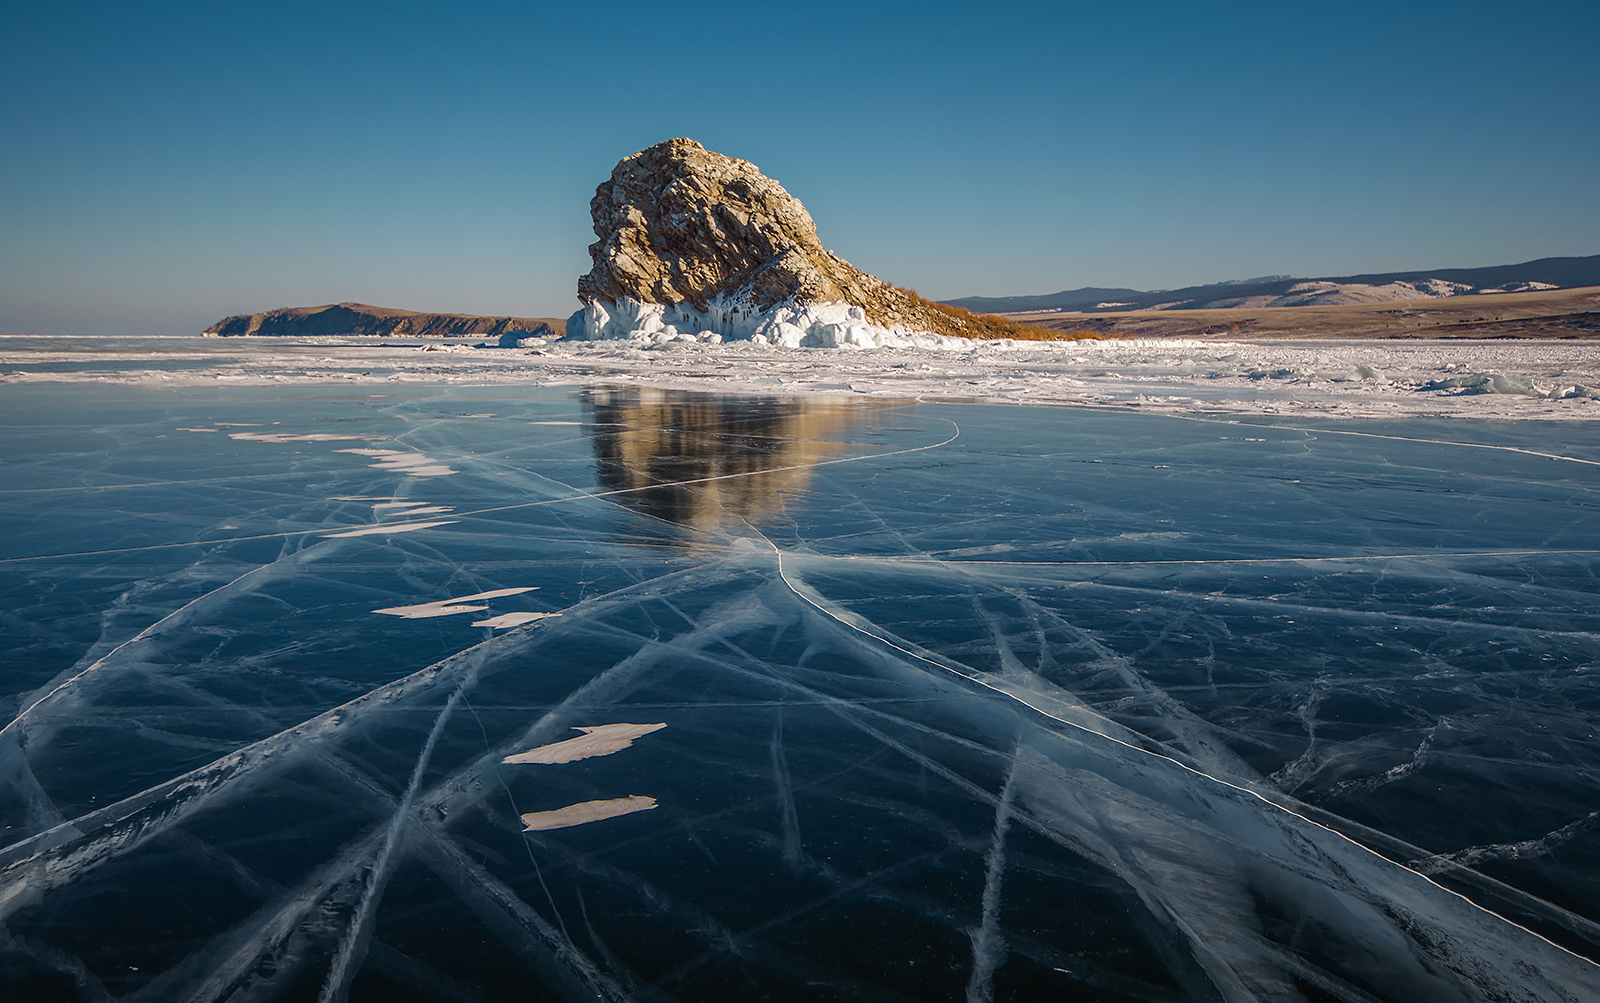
column 703, row 461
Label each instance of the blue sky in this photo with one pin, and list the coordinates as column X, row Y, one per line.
column 164, row 164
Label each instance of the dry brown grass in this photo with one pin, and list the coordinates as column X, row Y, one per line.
column 989, row 327
column 1555, row 313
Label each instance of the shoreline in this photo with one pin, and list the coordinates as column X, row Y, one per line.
column 1355, row 378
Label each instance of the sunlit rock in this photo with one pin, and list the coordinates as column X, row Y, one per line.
column 701, row 247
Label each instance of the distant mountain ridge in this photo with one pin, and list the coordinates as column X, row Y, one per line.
column 1285, row 290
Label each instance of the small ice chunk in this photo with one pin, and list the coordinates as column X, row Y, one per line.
column 1576, row 391
column 596, row 740
column 425, row 510
column 585, row 811
column 511, row 619
column 448, row 607
column 1488, row 383
column 389, row 527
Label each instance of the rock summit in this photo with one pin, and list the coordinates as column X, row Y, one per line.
column 697, row 246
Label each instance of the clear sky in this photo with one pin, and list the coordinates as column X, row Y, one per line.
column 165, row 163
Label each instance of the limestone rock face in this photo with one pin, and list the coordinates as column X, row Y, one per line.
column 686, row 228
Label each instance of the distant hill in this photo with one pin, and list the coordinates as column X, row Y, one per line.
column 361, row 319
column 1284, row 290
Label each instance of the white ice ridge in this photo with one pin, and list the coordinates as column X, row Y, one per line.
column 596, row 740
column 586, row 811
column 447, row 607
column 786, row 325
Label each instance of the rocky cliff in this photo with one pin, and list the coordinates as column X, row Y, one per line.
column 360, row 319
column 696, row 245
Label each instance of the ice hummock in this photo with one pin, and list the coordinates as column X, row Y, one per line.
column 735, row 318
column 1511, row 379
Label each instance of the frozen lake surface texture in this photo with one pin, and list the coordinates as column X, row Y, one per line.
column 411, row 681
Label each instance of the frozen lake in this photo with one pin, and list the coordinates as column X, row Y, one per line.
column 827, row 697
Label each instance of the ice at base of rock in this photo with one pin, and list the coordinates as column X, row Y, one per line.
column 733, row 318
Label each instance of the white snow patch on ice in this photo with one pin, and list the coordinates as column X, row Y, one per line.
column 585, row 811
column 511, row 619
column 596, row 740
column 300, row 437
column 410, row 464
column 449, row 607
column 388, row 528
column 424, row 510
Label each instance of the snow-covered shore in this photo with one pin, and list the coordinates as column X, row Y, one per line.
column 1376, row 379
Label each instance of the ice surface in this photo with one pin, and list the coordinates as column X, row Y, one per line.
column 944, row 700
